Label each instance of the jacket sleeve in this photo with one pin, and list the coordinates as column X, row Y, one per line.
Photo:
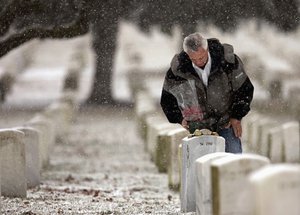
column 242, row 100
column 170, row 107
column 169, row 103
column 242, row 91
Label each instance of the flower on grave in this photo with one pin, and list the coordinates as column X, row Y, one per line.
column 193, row 113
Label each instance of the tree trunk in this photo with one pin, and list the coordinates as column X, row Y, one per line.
column 104, row 44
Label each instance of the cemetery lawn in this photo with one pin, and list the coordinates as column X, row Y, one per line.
column 101, row 168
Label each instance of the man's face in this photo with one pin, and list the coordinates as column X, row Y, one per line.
column 199, row 57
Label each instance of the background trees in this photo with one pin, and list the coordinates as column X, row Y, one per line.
column 23, row 20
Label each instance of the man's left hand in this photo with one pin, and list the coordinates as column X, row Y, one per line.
column 237, row 127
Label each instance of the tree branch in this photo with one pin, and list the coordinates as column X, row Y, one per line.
column 13, row 9
column 76, row 28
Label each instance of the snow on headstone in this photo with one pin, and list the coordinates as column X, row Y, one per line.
column 13, row 168
column 275, row 189
column 291, row 142
column 192, row 149
column 275, row 145
column 173, row 164
column 203, row 185
column 230, row 189
column 32, row 155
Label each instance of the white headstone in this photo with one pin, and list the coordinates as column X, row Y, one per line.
column 276, row 190
column 163, row 146
column 173, row 164
column 69, row 97
column 261, row 136
column 59, row 112
column 153, row 130
column 264, row 135
column 144, row 103
column 162, row 150
column 151, row 120
column 32, row 154
column 230, row 188
column 255, row 126
column 203, row 184
column 192, row 149
column 46, row 129
column 291, row 142
column 248, row 123
column 275, row 144
column 13, row 168
column 144, row 106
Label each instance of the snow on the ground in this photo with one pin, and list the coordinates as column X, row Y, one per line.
column 101, row 169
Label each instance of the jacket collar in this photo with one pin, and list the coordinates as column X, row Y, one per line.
column 181, row 64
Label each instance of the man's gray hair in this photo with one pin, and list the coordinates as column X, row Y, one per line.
column 193, row 42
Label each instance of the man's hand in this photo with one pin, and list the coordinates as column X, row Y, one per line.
column 184, row 124
column 237, row 127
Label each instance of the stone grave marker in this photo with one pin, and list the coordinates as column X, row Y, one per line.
column 291, row 142
column 47, row 137
column 153, row 129
column 263, row 145
column 262, row 126
column 230, row 188
column 275, row 190
column 173, row 164
column 69, row 98
column 13, row 168
column 255, row 126
column 192, row 149
column 59, row 113
column 32, row 155
column 248, row 124
column 203, row 185
column 144, row 106
column 275, row 144
column 163, row 149
column 151, row 120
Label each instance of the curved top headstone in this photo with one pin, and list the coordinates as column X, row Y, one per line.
column 11, row 133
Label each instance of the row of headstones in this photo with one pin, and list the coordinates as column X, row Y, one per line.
column 219, row 183
column 266, row 136
column 25, row 150
column 175, row 153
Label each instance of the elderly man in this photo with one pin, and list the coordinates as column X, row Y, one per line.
column 207, row 87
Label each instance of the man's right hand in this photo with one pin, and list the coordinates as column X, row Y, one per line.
column 184, row 124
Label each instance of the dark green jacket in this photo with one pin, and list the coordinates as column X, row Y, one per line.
column 228, row 94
